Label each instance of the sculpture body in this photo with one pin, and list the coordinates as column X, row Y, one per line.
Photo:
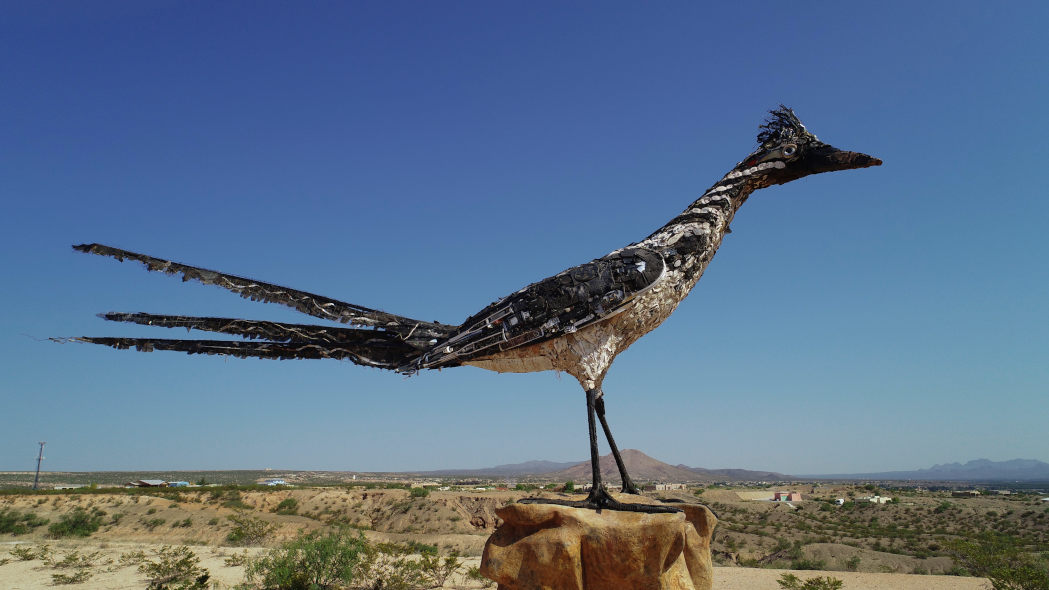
column 576, row 321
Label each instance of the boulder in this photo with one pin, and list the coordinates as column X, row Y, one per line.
column 551, row 547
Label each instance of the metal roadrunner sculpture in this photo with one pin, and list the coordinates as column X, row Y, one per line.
column 576, row 321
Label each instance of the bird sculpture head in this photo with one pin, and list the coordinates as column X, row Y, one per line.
column 788, row 151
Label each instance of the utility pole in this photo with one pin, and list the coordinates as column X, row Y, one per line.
column 39, row 458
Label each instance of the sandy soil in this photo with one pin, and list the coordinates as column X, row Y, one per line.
column 110, row 574
column 35, row 575
column 742, row 578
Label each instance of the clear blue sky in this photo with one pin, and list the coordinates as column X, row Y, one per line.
column 427, row 158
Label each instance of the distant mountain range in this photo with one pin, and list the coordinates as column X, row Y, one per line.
column 643, row 468
column 975, row 470
column 640, row 466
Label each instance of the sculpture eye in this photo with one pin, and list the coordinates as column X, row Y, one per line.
column 789, row 150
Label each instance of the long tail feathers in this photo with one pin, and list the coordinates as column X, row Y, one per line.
column 264, row 330
column 308, row 303
column 371, row 348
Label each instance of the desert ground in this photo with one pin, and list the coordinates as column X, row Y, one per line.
column 865, row 545
column 34, row 575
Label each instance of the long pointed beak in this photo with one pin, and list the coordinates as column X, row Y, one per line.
column 828, row 158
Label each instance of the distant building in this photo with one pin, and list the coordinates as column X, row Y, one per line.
column 662, row 487
column 787, row 497
column 965, row 493
column 875, row 499
column 178, row 484
column 274, row 482
column 146, row 483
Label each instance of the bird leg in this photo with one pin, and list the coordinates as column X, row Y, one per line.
column 628, row 484
column 599, row 498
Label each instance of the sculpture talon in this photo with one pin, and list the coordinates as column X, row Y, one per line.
column 576, row 321
column 603, row 501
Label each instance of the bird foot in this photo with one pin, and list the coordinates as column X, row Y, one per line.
column 599, row 500
column 630, row 488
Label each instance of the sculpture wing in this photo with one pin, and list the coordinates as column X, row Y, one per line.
column 558, row 305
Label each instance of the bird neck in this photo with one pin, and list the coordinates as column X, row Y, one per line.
column 689, row 241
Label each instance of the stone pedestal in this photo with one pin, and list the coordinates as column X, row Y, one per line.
column 550, row 547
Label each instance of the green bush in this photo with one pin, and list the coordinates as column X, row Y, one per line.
column 315, row 561
column 232, row 500
column 1002, row 560
column 288, row 506
column 78, row 523
column 152, row 523
column 569, row 486
column 26, row 553
column 248, row 530
column 312, row 561
column 175, row 568
column 79, row 577
column 792, row 582
column 17, row 523
column 419, row 492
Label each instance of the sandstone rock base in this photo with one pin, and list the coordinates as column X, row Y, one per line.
column 550, row 547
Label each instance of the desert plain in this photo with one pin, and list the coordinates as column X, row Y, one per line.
column 901, row 545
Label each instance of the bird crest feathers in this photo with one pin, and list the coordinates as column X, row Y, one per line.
column 780, row 127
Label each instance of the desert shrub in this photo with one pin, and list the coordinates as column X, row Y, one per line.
column 315, row 561
column 853, row 563
column 132, row 558
column 236, row 560
column 78, row 577
column 78, row 523
column 792, row 582
column 569, row 486
column 77, row 560
column 213, row 521
column 312, row 561
column 474, row 575
column 151, row 511
column 808, row 564
column 26, row 553
column 234, row 500
column 1002, row 560
column 18, row 523
column 175, row 568
column 419, row 492
column 288, row 506
column 409, row 547
column 248, row 530
column 152, row 523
